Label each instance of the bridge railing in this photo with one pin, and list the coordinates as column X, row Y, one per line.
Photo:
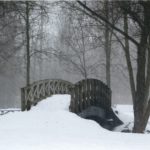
column 37, row 91
column 89, row 92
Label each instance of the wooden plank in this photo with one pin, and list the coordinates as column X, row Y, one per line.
column 82, row 95
column 79, row 98
column 23, row 106
column 77, row 101
column 72, row 104
column 88, row 84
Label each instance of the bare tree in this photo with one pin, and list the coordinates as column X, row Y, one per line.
column 9, row 24
column 79, row 48
column 29, row 12
column 139, row 13
column 102, row 33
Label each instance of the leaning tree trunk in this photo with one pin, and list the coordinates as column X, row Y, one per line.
column 128, row 59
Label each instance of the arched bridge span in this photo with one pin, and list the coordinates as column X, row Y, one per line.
column 42, row 89
column 85, row 93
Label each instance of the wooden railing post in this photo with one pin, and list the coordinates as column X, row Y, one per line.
column 23, row 101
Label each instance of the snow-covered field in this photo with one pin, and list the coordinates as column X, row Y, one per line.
column 50, row 126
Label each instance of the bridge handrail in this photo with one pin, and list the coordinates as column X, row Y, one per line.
column 41, row 89
column 46, row 80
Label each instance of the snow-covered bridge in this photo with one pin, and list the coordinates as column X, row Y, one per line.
column 83, row 93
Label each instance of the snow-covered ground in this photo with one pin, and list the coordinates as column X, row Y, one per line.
column 50, row 126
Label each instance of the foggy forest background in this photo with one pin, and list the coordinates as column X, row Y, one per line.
column 55, row 31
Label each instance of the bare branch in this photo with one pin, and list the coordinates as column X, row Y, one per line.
column 109, row 23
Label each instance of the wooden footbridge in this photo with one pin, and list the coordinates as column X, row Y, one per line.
column 85, row 94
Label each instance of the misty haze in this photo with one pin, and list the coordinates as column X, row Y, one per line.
column 65, row 62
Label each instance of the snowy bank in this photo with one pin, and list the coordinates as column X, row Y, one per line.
column 50, row 126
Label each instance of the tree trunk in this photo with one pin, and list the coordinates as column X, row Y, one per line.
column 128, row 60
column 27, row 44
column 107, row 47
column 139, row 105
column 41, row 47
column 141, row 113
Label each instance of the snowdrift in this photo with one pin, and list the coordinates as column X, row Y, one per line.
column 50, row 126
